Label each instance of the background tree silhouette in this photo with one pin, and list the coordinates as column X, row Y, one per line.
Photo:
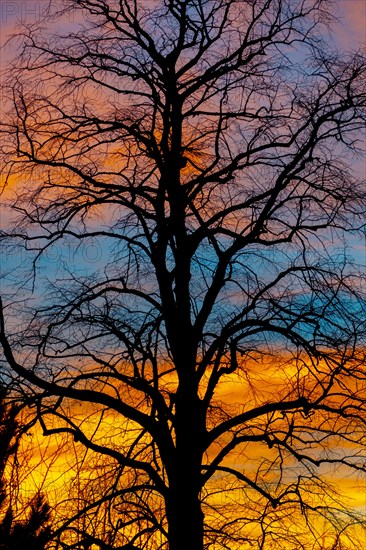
column 217, row 341
column 28, row 528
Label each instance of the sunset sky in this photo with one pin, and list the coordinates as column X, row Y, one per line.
column 47, row 466
column 350, row 31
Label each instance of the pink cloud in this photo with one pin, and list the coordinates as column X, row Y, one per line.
column 350, row 32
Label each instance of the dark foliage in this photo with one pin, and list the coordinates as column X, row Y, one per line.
column 33, row 531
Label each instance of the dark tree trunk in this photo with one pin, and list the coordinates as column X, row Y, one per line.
column 185, row 516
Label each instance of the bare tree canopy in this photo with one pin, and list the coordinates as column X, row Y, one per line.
column 211, row 360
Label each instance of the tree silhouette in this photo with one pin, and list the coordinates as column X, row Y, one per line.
column 31, row 532
column 202, row 148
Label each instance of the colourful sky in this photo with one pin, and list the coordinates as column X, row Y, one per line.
column 349, row 32
column 352, row 28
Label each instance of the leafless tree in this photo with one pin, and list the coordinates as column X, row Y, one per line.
column 204, row 149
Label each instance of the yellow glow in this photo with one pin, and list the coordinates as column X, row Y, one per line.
column 58, row 462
